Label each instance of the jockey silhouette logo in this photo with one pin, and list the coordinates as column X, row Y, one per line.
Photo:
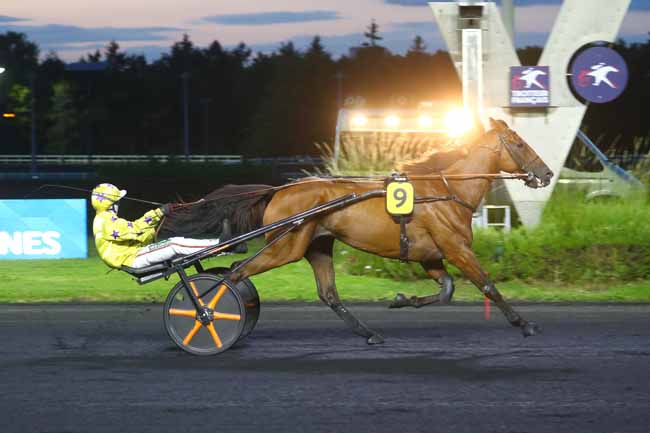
column 599, row 74
column 528, row 79
column 596, row 75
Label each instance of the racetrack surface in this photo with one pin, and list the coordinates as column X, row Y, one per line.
column 112, row 368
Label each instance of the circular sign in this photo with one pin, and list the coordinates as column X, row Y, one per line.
column 599, row 74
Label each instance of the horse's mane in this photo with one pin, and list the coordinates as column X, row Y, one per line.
column 432, row 162
column 436, row 160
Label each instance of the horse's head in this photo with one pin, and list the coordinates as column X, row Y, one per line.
column 519, row 157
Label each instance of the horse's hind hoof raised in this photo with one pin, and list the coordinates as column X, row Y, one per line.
column 375, row 339
column 400, row 301
column 530, row 329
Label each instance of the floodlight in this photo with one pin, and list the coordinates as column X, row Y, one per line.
column 359, row 120
column 425, row 121
column 458, row 121
column 392, row 121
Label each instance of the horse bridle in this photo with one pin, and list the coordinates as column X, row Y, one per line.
column 523, row 165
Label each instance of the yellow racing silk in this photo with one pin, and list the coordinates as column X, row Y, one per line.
column 118, row 240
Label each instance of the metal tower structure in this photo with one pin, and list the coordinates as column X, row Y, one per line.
column 482, row 49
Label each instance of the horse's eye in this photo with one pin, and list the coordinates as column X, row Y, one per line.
column 520, row 144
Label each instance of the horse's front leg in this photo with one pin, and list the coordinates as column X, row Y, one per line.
column 435, row 269
column 461, row 255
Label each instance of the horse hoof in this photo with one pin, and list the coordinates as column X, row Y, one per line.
column 375, row 339
column 400, row 301
column 530, row 329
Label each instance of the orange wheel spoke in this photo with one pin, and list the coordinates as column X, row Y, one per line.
column 192, row 333
column 196, row 292
column 215, row 336
column 185, row 313
column 224, row 316
column 213, row 303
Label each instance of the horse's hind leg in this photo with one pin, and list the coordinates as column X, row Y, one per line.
column 319, row 255
column 435, row 269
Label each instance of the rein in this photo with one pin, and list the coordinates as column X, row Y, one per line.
column 337, row 179
column 365, row 179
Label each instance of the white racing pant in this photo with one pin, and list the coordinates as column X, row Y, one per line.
column 169, row 249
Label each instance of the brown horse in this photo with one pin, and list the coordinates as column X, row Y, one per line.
column 437, row 230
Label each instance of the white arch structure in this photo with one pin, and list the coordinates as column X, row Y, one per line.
column 551, row 130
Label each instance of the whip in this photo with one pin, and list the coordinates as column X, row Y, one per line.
column 155, row 203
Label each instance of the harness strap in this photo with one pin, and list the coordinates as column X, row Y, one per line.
column 435, row 198
column 403, row 240
column 453, row 196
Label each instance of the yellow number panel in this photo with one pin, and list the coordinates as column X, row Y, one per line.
column 399, row 198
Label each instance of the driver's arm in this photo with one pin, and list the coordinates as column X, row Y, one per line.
column 118, row 229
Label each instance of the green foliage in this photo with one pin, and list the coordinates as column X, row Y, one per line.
column 19, row 57
column 63, row 133
column 418, row 46
column 576, row 242
column 19, row 102
column 268, row 104
column 372, row 34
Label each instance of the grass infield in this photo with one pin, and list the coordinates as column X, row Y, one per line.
column 89, row 280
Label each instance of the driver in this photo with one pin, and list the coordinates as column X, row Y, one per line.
column 130, row 243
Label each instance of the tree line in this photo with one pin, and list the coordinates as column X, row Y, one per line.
column 280, row 103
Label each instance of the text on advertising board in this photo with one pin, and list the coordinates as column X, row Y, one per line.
column 43, row 229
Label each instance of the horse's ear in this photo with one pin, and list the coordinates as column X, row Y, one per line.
column 493, row 124
column 503, row 124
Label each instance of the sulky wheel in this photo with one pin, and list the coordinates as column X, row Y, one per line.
column 249, row 295
column 218, row 327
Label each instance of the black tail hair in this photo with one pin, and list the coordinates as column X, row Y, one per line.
column 242, row 205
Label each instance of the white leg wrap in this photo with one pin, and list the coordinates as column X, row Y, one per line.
column 170, row 249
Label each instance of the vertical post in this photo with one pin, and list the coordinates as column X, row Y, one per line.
column 34, row 132
column 337, row 137
column 508, row 15
column 472, row 70
column 185, row 76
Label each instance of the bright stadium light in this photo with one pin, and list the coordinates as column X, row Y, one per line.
column 425, row 121
column 392, row 121
column 359, row 120
column 458, row 121
column 2, row 69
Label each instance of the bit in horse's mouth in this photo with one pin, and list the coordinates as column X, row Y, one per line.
column 534, row 181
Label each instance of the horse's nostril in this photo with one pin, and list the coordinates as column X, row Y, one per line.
column 549, row 174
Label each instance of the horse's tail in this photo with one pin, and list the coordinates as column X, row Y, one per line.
column 242, row 205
